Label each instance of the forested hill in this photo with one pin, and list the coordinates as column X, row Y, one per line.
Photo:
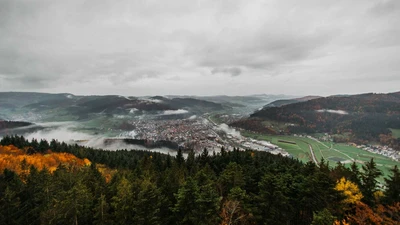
column 237, row 187
column 279, row 103
column 61, row 107
column 4, row 124
column 365, row 116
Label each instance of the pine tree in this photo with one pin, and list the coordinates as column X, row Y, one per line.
column 101, row 211
column 231, row 177
column 208, row 204
column 37, row 193
column 340, row 171
column 191, row 164
column 204, row 157
column 179, row 159
column 392, row 193
column 11, row 188
column 323, row 217
column 147, row 205
column 355, row 175
column 369, row 183
column 272, row 201
column 122, row 202
column 74, row 206
column 234, row 210
column 223, row 151
column 186, row 207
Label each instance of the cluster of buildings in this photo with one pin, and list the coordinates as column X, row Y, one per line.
column 381, row 150
column 195, row 134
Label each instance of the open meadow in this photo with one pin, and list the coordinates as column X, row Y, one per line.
column 332, row 152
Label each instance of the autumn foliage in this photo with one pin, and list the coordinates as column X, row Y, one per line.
column 18, row 160
column 350, row 191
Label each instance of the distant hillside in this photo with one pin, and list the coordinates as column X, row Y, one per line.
column 83, row 105
column 279, row 103
column 12, row 124
column 19, row 99
column 244, row 105
column 17, row 127
column 61, row 107
column 365, row 116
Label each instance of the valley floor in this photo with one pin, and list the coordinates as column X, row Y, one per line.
column 299, row 147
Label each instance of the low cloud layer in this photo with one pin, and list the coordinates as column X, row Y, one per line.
column 341, row 112
column 175, row 112
column 209, row 47
column 230, row 131
column 65, row 133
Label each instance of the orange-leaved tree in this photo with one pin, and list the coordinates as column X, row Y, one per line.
column 16, row 159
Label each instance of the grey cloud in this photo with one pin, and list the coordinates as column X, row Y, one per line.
column 386, row 7
column 28, row 82
column 265, row 51
column 233, row 71
column 120, row 44
column 129, row 76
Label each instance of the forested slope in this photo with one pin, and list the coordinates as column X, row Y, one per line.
column 238, row 187
column 366, row 117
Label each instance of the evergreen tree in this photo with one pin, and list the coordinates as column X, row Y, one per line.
column 355, row 175
column 323, row 217
column 231, row 177
column 101, row 214
column 223, row 151
column 340, row 171
column 11, row 188
column 208, row 204
column 272, row 201
column 180, row 160
column 38, row 193
column 94, row 180
column 122, row 202
column 191, row 164
column 392, row 192
column 234, row 209
column 208, row 201
column 186, row 207
column 147, row 205
column 74, row 206
column 369, row 183
column 204, row 157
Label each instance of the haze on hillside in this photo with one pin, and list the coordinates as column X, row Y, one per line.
column 239, row 47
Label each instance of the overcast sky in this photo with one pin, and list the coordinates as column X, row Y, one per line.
column 204, row 47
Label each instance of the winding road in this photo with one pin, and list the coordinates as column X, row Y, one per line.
column 313, row 155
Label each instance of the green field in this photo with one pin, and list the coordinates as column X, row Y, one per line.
column 331, row 152
column 395, row 133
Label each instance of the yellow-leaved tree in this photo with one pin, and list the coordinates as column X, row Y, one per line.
column 350, row 190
